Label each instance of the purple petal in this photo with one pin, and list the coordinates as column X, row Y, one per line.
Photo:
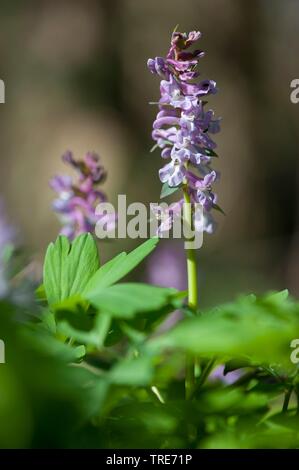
column 166, row 121
column 166, row 172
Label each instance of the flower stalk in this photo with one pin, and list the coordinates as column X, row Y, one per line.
column 192, row 292
column 190, row 255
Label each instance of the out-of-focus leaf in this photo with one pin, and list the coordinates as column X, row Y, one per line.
column 255, row 329
column 41, row 293
column 15, row 412
column 233, row 401
column 134, row 335
column 48, row 321
column 50, row 346
column 134, row 372
column 126, row 300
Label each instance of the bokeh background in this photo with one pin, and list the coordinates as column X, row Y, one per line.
column 76, row 78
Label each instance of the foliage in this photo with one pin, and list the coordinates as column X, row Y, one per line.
column 91, row 367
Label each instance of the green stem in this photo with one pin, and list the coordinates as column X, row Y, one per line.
column 192, row 292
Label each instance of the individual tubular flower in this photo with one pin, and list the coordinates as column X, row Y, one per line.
column 183, row 126
column 227, row 378
column 166, row 216
column 77, row 201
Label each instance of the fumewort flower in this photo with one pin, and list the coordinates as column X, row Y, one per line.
column 228, row 378
column 77, row 200
column 184, row 125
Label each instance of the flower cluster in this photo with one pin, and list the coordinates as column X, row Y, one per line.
column 77, row 201
column 183, row 126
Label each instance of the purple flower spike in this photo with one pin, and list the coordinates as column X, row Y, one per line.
column 77, row 201
column 183, row 126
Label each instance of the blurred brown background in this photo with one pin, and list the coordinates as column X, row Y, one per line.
column 76, row 78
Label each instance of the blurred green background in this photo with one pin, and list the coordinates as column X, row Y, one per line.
column 76, row 78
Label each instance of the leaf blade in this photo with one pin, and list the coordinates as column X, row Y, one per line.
column 127, row 299
column 119, row 266
column 68, row 267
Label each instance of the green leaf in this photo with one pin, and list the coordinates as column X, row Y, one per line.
column 255, row 329
column 125, row 300
column 277, row 297
column 48, row 321
column 234, row 364
column 40, row 293
column 46, row 344
column 218, row 208
column 68, row 267
column 134, row 372
column 119, row 266
column 210, row 153
column 75, row 314
column 167, row 190
column 134, row 335
column 95, row 337
column 72, row 305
